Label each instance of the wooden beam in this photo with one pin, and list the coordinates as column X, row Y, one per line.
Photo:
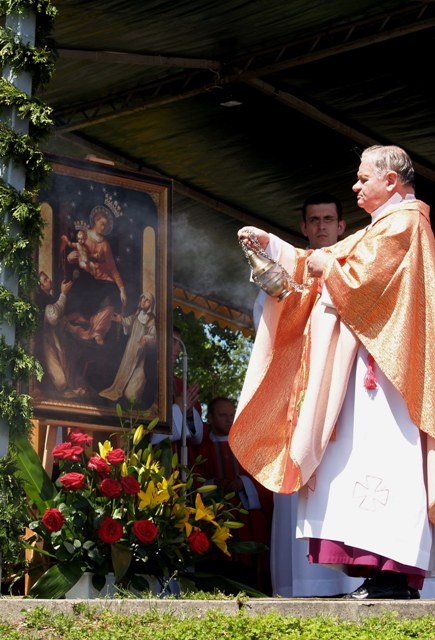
column 336, row 125
column 120, row 57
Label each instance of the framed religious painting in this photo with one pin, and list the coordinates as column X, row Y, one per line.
column 104, row 296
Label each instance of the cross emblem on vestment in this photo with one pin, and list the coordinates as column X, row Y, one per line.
column 370, row 495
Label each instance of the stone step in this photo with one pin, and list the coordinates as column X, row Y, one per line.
column 13, row 609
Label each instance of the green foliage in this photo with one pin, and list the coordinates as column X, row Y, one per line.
column 38, row 487
column 21, row 223
column 20, row 232
column 12, row 518
column 38, row 61
column 44, row 9
column 99, row 624
column 217, row 357
column 20, row 146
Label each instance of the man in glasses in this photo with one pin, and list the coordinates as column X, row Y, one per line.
column 322, row 220
column 322, row 224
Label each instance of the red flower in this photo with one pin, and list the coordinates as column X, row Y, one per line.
column 115, row 456
column 73, row 481
column 110, row 530
column 78, row 437
column 53, row 520
column 130, row 485
column 145, row 531
column 198, row 542
column 67, row 451
column 98, row 464
column 110, row 488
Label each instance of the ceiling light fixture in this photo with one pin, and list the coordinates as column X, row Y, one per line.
column 230, row 102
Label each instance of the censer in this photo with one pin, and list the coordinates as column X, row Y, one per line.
column 267, row 273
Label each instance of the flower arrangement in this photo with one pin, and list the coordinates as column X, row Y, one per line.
column 123, row 510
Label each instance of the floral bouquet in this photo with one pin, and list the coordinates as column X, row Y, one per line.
column 120, row 510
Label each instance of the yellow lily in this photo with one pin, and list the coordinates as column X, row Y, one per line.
column 104, row 448
column 138, row 435
column 152, row 464
column 202, row 512
column 182, row 514
column 124, row 469
column 220, row 538
column 153, row 496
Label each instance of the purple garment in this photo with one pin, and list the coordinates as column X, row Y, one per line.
column 360, row 562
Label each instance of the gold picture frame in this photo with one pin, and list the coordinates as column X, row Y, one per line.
column 104, row 296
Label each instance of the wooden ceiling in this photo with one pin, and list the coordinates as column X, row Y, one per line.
column 147, row 85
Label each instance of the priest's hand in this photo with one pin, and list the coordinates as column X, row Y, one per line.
column 250, row 234
column 316, row 263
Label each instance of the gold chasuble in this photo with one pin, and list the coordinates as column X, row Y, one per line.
column 381, row 281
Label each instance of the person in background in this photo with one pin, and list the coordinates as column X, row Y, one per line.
column 322, row 220
column 221, row 468
column 350, row 423
column 322, row 224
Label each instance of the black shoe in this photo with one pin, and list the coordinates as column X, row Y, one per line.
column 370, row 590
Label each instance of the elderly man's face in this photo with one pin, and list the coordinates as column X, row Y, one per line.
column 373, row 188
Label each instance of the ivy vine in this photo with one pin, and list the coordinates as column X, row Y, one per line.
column 21, row 224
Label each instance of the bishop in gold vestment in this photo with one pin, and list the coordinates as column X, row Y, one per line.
column 377, row 307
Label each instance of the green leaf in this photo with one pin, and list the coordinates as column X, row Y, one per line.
column 206, row 488
column 142, row 583
column 166, row 455
column 121, row 559
column 37, row 485
column 232, row 524
column 248, row 546
column 56, row 581
column 153, row 424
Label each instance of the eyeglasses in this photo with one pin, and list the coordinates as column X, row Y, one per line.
column 325, row 220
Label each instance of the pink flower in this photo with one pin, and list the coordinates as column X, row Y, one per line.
column 73, row 481
column 67, row 451
column 198, row 542
column 115, row 456
column 130, row 485
column 98, row 464
column 110, row 488
column 78, row 437
column 145, row 531
column 110, row 530
column 53, row 520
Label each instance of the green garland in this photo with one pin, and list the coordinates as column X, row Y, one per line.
column 21, row 224
column 39, row 62
column 37, row 113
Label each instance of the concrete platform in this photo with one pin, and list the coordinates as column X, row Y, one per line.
column 13, row 609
